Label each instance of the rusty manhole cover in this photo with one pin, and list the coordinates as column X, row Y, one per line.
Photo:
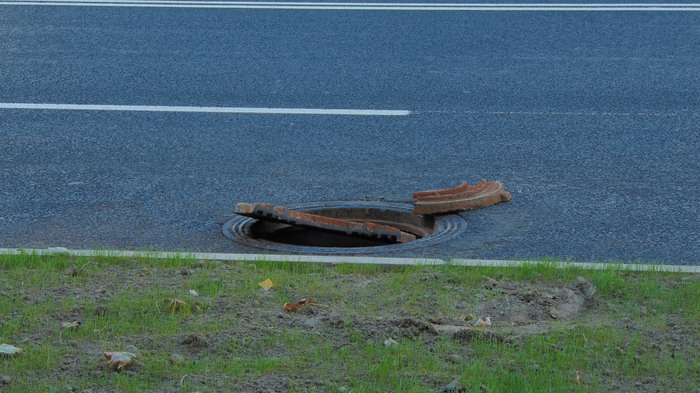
column 284, row 238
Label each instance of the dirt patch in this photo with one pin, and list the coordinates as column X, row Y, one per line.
column 523, row 304
column 518, row 310
column 194, row 342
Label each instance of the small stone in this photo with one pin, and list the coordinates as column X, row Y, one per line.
column 5, row 379
column 643, row 310
column 131, row 348
column 184, row 271
column 454, row 358
column 483, row 388
column 177, row 359
column 342, row 389
column 390, row 342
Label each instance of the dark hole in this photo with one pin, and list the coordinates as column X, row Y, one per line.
column 314, row 238
column 416, row 224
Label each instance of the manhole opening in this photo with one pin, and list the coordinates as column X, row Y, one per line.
column 429, row 230
column 418, row 225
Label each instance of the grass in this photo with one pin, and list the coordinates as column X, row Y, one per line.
column 641, row 333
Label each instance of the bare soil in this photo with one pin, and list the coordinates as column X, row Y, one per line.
column 518, row 311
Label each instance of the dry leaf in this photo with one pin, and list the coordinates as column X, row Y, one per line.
column 119, row 360
column 9, row 350
column 176, row 304
column 267, row 284
column 193, row 292
column 577, row 378
column 296, row 306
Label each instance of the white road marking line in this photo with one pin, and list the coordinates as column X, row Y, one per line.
column 207, row 109
column 372, row 4
column 532, row 113
column 342, row 259
column 291, row 3
column 595, row 7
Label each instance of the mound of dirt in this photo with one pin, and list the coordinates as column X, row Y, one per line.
column 526, row 304
column 520, row 309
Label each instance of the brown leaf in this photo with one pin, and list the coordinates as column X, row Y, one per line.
column 296, row 306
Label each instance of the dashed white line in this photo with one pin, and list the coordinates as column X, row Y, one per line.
column 207, row 109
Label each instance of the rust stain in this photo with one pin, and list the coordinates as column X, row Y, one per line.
column 462, row 197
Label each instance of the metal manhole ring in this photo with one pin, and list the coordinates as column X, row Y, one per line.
column 238, row 229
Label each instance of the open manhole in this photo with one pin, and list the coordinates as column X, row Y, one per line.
column 428, row 229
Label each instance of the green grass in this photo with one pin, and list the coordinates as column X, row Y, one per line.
column 251, row 344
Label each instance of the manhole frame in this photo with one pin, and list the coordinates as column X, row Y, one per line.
column 447, row 227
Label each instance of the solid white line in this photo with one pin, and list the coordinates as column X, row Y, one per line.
column 589, row 9
column 366, row 6
column 206, row 109
column 343, row 259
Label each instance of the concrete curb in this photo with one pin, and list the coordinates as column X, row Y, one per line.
column 348, row 259
column 579, row 265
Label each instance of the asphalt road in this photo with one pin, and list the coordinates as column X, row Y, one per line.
column 590, row 119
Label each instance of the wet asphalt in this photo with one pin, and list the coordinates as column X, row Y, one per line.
column 590, row 119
